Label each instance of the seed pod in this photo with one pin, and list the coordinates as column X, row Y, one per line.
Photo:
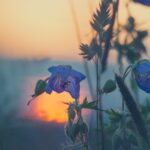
column 131, row 24
column 75, row 131
column 68, row 129
column 84, row 128
column 71, row 113
column 109, row 86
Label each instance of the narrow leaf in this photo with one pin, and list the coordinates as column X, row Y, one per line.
column 90, row 105
column 132, row 106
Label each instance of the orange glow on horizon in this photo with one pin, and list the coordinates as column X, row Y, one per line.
column 45, row 28
column 50, row 107
column 40, row 28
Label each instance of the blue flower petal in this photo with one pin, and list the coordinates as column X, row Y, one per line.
column 77, row 75
column 73, row 87
column 53, row 69
column 54, row 83
column 144, row 83
column 144, row 2
column 142, row 75
column 63, row 71
column 57, row 84
column 49, row 86
column 143, row 67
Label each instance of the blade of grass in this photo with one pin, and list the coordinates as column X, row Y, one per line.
column 132, row 107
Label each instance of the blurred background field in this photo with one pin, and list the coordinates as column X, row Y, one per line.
column 40, row 125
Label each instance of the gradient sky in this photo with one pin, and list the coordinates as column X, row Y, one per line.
column 44, row 28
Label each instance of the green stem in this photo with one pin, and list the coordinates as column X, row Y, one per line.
column 100, row 134
column 97, row 103
column 101, row 114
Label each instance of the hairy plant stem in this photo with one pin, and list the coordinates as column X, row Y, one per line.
column 97, row 96
column 121, row 73
column 123, row 107
column 101, row 123
column 99, row 117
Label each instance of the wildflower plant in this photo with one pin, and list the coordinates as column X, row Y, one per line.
column 127, row 127
column 64, row 78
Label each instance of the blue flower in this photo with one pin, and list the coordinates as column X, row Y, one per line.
column 64, row 78
column 142, row 75
column 144, row 2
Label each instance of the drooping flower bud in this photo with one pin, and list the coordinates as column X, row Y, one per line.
column 141, row 72
column 109, row 86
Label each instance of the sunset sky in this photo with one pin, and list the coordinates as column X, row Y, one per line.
column 44, row 28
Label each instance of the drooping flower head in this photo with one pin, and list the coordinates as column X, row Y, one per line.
column 64, row 78
column 144, row 2
column 142, row 75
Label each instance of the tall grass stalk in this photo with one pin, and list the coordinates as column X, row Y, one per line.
column 78, row 34
column 97, row 113
column 108, row 41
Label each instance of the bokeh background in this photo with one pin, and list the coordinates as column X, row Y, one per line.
column 34, row 35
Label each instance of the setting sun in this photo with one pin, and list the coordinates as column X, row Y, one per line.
column 50, row 107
